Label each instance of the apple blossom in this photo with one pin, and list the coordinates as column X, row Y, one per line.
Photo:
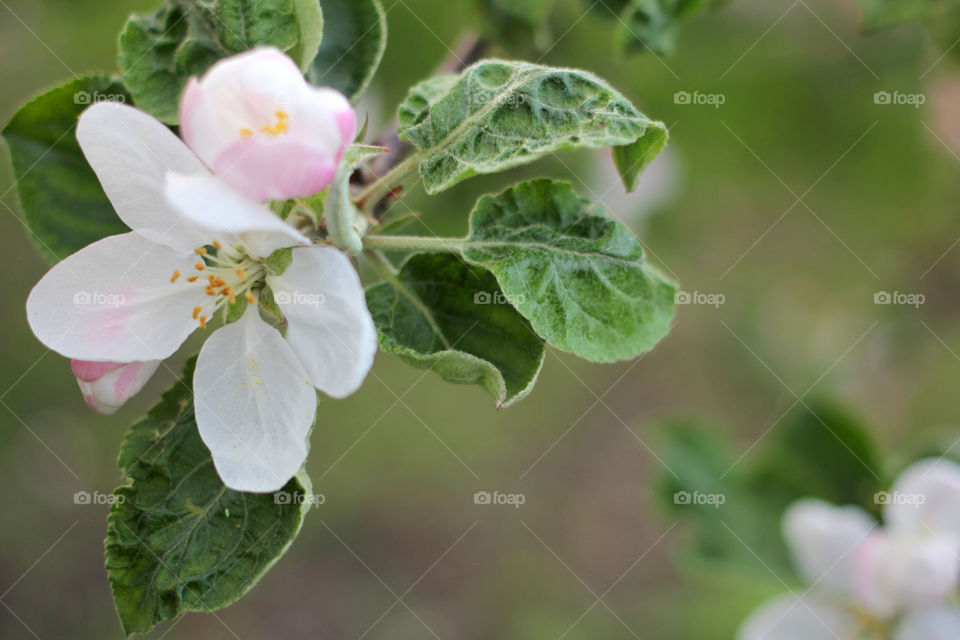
column 196, row 246
column 106, row 386
column 869, row 581
column 255, row 121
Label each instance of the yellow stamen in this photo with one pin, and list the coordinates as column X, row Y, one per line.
column 200, row 251
column 283, row 115
column 210, row 291
column 245, row 133
column 217, row 245
column 240, row 272
column 192, row 279
column 203, row 322
column 199, row 266
column 176, row 274
column 196, row 312
column 250, row 298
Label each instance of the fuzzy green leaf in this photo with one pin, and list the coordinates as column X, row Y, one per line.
column 353, row 44
column 161, row 50
column 498, row 114
column 441, row 314
column 177, row 539
column 62, row 201
column 580, row 278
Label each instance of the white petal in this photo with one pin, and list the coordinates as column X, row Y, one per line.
column 932, row 624
column 926, row 498
column 254, row 405
column 792, row 617
column 901, row 570
column 822, row 539
column 329, row 325
column 113, row 301
column 131, row 152
column 109, row 392
column 212, row 204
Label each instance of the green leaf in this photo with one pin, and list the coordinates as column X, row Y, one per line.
column 647, row 24
column 354, row 40
column 821, row 451
column 579, row 277
column 443, row 315
column 517, row 21
column 498, row 114
column 171, row 546
column 883, row 14
column 310, row 23
column 161, row 50
column 339, row 213
column 62, row 201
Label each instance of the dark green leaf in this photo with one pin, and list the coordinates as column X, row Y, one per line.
column 499, row 114
column 354, row 40
column 171, row 546
column 161, row 50
column 517, row 22
column 62, row 201
column 579, row 277
column 441, row 314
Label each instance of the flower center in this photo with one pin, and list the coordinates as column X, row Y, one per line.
column 277, row 128
column 225, row 273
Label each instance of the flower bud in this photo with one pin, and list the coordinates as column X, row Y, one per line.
column 107, row 385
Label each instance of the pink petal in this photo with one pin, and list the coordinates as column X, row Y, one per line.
column 275, row 169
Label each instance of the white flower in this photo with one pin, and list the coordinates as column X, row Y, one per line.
column 869, row 582
column 255, row 121
column 195, row 245
column 106, row 386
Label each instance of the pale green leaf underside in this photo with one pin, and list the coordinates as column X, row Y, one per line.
column 171, row 546
column 443, row 315
column 161, row 50
column 353, row 44
column 62, row 201
column 498, row 114
column 579, row 277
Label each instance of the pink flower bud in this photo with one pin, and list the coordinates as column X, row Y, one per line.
column 257, row 123
column 107, row 385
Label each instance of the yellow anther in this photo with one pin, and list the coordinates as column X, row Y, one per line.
column 250, row 298
column 176, row 274
column 245, row 133
column 200, row 251
column 210, row 291
column 240, row 272
column 217, row 245
column 196, row 312
column 192, row 279
column 203, row 322
column 199, row 266
column 283, row 115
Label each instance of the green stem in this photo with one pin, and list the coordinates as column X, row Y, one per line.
column 374, row 193
column 414, row 243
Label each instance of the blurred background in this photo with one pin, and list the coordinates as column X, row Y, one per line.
column 788, row 208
